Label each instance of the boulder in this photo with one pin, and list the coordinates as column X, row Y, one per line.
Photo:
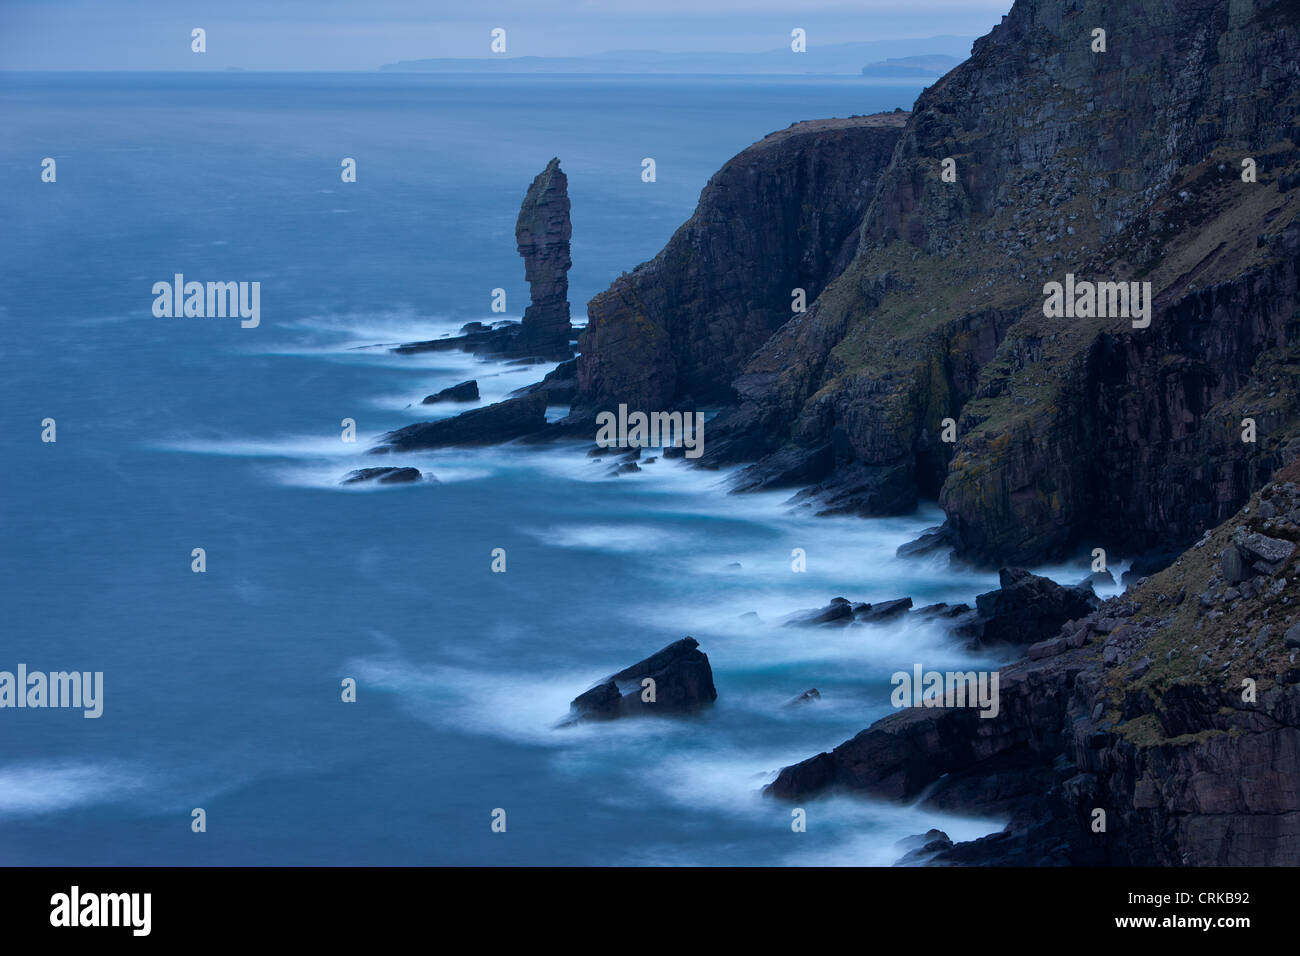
column 683, row 683
column 1232, row 566
column 1270, row 552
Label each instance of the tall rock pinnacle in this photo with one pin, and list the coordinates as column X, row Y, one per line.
column 542, row 232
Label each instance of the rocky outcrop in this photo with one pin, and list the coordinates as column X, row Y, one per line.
column 560, row 385
column 1026, row 606
column 464, row 392
column 500, row 422
column 542, row 232
column 676, row 680
column 782, row 215
column 1173, row 709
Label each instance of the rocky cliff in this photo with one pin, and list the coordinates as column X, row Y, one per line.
column 782, row 215
column 1174, row 710
column 926, row 365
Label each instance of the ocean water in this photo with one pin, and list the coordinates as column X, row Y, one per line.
column 222, row 689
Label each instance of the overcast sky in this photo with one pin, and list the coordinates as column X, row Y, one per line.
column 365, row 34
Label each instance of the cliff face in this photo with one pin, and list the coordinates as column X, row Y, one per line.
column 1174, row 709
column 782, row 215
column 1123, row 165
column 542, row 232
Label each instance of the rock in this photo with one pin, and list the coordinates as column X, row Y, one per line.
column 929, row 541
column 807, row 697
column 932, row 843
column 839, row 612
column 1262, row 637
column 1048, row 648
column 559, row 385
column 1027, row 606
column 1231, row 565
column 884, row 611
column 1292, row 637
column 543, row 231
column 1146, row 565
column 942, row 611
column 683, row 683
column 464, row 392
column 1102, row 578
column 385, row 476
column 1273, row 552
column 500, row 422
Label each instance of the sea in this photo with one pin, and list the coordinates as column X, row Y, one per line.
column 224, row 737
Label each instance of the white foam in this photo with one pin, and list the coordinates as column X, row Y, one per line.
column 33, row 788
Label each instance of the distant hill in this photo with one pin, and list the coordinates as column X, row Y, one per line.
column 922, row 54
column 929, row 65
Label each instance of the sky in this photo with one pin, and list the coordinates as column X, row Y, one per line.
column 365, row 34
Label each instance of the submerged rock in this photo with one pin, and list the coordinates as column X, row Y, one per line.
column 682, row 683
column 385, row 476
column 807, row 697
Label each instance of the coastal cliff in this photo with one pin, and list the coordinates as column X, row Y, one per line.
column 782, row 215
column 1124, row 165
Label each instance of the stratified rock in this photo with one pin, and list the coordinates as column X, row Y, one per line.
column 479, row 426
column 559, row 385
column 385, row 476
column 884, row 611
column 839, row 612
column 464, row 392
column 1026, row 607
column 929, row 541
column 683, row 683
column 543, row 231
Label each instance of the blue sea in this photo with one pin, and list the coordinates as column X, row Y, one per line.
column 222, row 688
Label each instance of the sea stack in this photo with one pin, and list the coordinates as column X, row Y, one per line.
column 543, row 232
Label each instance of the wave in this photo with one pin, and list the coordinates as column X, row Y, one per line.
column 28, row 789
